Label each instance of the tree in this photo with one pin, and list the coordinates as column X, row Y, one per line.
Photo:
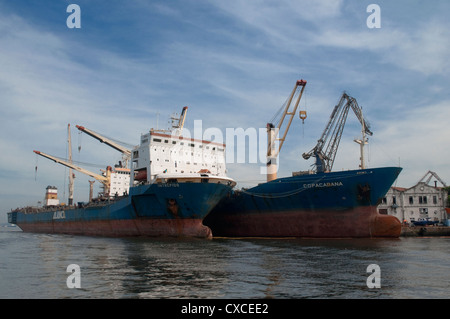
column 447, row 189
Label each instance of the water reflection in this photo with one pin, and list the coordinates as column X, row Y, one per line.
column 34, row 266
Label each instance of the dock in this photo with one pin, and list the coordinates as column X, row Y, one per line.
column 425, row 231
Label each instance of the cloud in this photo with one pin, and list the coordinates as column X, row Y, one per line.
column 417, row 140
column 234, row 64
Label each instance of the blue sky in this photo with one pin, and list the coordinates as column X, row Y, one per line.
column 233, row 63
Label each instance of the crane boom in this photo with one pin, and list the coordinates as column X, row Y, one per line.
column 327, row 146
column 272, row 150
column 105, row 180
column 178, row 122
column 182, row 118
column 105, row 140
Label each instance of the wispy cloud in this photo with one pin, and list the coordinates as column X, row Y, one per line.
column 234, row 63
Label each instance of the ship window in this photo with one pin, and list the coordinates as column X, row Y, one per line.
column 156, row 140
column 174, row 142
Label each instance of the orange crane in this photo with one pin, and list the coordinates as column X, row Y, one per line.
column 272, row 148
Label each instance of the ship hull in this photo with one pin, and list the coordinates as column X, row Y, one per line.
column 168, row 209
column 327, row 205
column 123, row 228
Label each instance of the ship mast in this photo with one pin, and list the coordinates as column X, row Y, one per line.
column 363, row 141
column 69, row 140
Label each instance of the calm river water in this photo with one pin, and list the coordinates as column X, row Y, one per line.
column 35, row 266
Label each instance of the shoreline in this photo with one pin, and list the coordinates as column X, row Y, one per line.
column 415, row 231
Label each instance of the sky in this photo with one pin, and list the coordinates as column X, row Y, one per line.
column 131, row 64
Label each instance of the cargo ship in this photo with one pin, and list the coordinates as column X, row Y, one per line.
column 162, row 193
column 323, row 205
column 318, row 203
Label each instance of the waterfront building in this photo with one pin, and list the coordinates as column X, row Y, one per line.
column 421, row 201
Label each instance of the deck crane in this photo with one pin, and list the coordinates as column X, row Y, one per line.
column 272, row 148
column 125, row 151
column 326, row 148
column 178, row 122
column 105, row 180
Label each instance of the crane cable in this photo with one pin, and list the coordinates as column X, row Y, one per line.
column 36, row 168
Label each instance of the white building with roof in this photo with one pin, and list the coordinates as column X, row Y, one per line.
column 421, row 201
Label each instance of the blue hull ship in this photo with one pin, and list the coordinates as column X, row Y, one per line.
column 173, row 182
column 160, row 209
column 321, row 205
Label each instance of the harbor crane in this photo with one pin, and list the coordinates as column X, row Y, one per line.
column 125, row 151
column 105, row 180
column 432, row 174
column 327, row 146
column 272, row 148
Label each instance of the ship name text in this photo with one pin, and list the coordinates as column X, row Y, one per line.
column 60, row 214
column 320, row 185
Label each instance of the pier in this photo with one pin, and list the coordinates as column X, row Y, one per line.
column 425, row 231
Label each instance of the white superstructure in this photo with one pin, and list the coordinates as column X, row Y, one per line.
column 161, row 155
column 119, row 182
column 51, row 196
